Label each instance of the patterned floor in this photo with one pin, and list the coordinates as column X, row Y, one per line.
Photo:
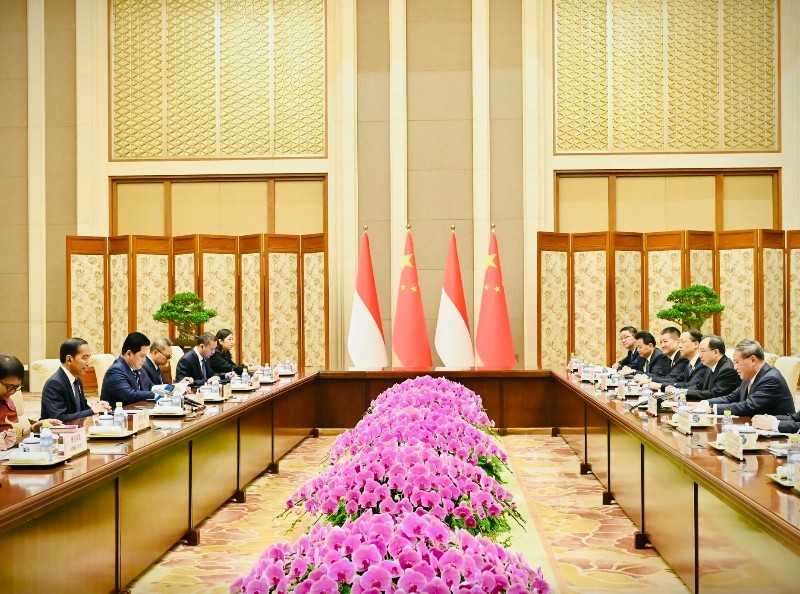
column 582, row 545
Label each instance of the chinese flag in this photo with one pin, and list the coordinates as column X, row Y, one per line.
column 493, row 337
column 409, row 334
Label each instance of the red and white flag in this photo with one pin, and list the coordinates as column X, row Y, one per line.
column 453, row 341
column 365, row 341
column 409, row 333
column 493, row 340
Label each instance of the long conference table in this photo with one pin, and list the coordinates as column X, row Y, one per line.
column 96, row 522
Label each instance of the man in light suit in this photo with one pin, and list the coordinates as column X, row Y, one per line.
column 63, row 397
column 159, row 355
column 194, row 364
column 763, row 389
column 694, row 373
column 721, row 378
column 125, row 381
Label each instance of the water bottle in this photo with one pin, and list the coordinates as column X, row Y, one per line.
column 46, row 441
column 727, row 418
column 177, row 399
column 119, row 416
column 792, row 455
column 245, row 376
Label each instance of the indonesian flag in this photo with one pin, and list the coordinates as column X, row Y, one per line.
column 365, row 341
column 493, row 338
column 453, row 341
column 409, row 334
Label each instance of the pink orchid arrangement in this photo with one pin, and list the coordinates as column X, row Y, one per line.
column 378, row 553
column 399, row 478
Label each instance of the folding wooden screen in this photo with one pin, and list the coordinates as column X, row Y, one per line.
column 150, row 273
column 253, row 319
column 592, row 316
column 554, row 299
column 629, row 289
column 793, row 290
column 218, row 279
column 118, row 291
column 283, row 278
column 184, row 264
column 315, row 301
column 87, row 309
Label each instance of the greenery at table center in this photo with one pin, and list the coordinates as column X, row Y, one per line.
column 186, row 311
column 692, row 306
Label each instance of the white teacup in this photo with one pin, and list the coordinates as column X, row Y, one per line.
column 30, row 444
column 105, row 420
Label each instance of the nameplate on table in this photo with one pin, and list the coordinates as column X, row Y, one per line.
column 74, row 441
column 734, row 445
column 684, row 422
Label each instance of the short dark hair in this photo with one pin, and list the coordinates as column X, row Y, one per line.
column 10, row 366
column 645, row 337
column 134, row 342
column 223, row 334
column 671, row 330
column 715, row 342
column 70, row 347
column 205, row 338
column 630, row 329
column 696, row 335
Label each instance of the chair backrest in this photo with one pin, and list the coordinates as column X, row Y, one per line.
column 770, row 358
column 729, row 353
column 101, row 362
column 790, row 369
column 177, row 353
column 40, row 371
column 24, row 420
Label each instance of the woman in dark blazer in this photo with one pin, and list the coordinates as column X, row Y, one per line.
column 222, row 361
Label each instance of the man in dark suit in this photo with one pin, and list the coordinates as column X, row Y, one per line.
column 651, row 360
column 159, row 355
column 788, row 423
column 194, row 364
column 627, row 340
column 721, row 378
column 63, row 397
column 125, row 381
column 763, row 389
column 693, row 373
column 670, row 343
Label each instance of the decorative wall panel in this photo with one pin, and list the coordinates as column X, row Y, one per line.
column 628, row 292
column 750, row 70
column 184, row 273
column 774, row 322
column 219, row 289
column 581, row 75
column 589, row 272
column 637, row 85
column 314, row 309
column 794, row 302
column 252, row 314
column 299, row 77
column 152, row 289
column 87, row 299
column 118, row 288
column 283, row 307
column 736, row 293
column 663, row 277
column 701, row 269
column 666, row 75
column 554, row 323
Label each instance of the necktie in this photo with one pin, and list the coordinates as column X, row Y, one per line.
column 202, row 368
column 78, row 391
column 646, row 365
column 138, row 380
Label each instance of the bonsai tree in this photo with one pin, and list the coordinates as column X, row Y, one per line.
column 692, row 306
column 186, row 311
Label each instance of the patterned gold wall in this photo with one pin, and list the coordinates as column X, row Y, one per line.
column 663, row 277
column 554, row 323
column 773, row 275
column 152, row 289
column 283, row 303
column 589, row 273
column 701, row 271
column 118, row 305
column 252, row 314
column 314, row 309
column 628, row 292
column 672, row 76
column 219, row 293
column 87, row 300
column 794, row 302
column 217, row 78
column 736, row 294
column 184, row 274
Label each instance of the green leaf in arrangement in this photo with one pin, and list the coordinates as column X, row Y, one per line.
column 692, row 306
column 186, row 311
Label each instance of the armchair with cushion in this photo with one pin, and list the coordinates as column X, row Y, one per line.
column 40, row 371
column 101, row 362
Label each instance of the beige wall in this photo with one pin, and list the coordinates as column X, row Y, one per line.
column 299, row 207
column 14, row 178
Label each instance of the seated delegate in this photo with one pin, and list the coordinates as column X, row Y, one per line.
column 194, row 364
column 627, row 340
column 221, row 360
column 13, row 426
column 125, row 381
column 693, row 373
column 721, row 378
column 63, row 397
column 650, row 360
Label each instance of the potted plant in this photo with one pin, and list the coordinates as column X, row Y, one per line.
column 692, row 306
column 186, row 311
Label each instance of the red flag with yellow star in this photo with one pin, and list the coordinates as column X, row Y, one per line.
column 409, row 333
column 493, row 340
